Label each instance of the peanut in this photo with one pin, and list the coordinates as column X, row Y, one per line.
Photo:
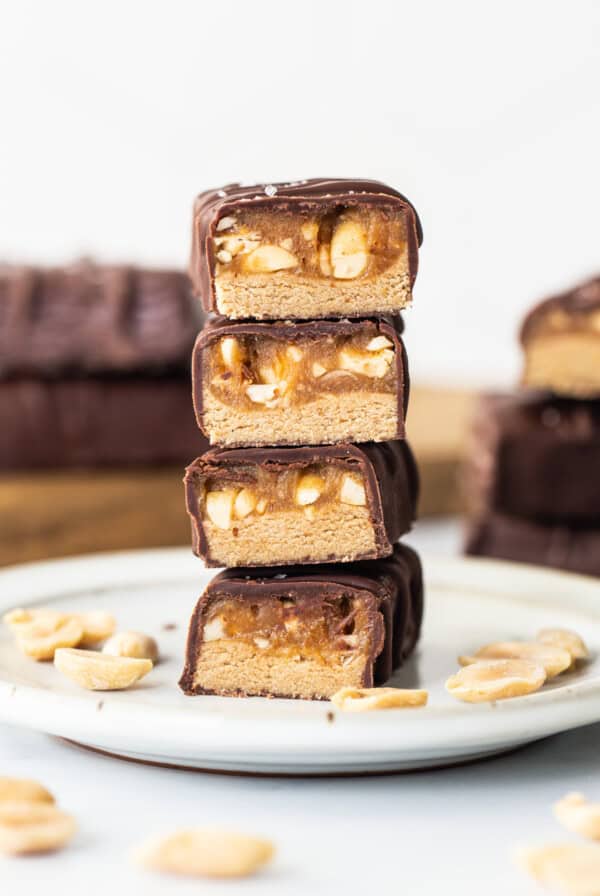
column 201, row 852
column 99, row 671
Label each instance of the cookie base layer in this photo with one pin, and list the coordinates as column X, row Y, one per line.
column 237, row 670
column 340, row 534
column 279, row 296
column 352, row 417
column 567, row 364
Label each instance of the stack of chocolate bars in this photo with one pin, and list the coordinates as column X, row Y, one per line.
column 300, row 383
column 533, row 481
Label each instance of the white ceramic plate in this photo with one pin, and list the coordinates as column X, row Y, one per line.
column 469, row 602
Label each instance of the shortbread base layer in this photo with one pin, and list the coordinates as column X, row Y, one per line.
column 567, row 365
column 237, row 669
column 352, row 417
column 338, row 534
column 283, row 296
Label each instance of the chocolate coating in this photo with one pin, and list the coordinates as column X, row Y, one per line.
column 524, row 541
column 536, row 456
column 394, row 584
column 89, row 318
column 576, row 303
column 307, row 194
column 389, row 471
column 97, row 422
column 291, row 331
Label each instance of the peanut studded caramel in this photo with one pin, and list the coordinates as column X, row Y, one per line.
column 252, row 372
column 323, row 629
column 243, row 492
column 340, row 244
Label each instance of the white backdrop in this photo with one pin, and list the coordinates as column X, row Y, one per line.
column 114, row 114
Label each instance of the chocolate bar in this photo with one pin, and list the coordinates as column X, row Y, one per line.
column 561, row 340
column 277, row 506
column 536, row 456
column 97, row 422
column 291, row 383
column 310, row 249
column 304, row 633
column 525, row 541
column 88, row 318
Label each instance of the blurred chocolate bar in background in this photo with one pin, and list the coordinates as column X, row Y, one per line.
column 532, row 481
column 94, row 408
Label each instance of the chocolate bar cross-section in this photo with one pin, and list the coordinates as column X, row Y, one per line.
column 328, row 247
column 304, row 632
column 277, row 506
column 296, row 383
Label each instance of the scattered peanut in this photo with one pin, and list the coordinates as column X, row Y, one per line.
column 23, row 790
column 202, row 852
column 573, row 868
column 352, row 699
column 554, row 659
column 577, row 815
column 30, row 626
column 490, row 680
column 99, row 671
column 567, row 640
column 42, row 642
column 30, row 827
column 132, row 644
column 97, row 626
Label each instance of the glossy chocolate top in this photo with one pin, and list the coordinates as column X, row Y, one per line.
column 388, row 468
column 212, row 205
column 89, row 318
column 572, row 308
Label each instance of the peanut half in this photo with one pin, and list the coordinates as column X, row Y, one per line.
column 42, row 641
column 100, row 671
column 30, row 827
column 132, row 644
column 40, row 631
column 572, row 868
column 577, row 815
column 352, row 699
column 490, row 680
column 203, row 852
column 23, row 790
column 566, row 639
column 554, row 659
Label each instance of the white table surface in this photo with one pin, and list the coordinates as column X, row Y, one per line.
column 450, row 830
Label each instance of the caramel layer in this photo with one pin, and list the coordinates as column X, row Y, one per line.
column 333, row 631
column 254, row 372
column 240, row 492
column 343, row 244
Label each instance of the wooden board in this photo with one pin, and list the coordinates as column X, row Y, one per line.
column 60, row 513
